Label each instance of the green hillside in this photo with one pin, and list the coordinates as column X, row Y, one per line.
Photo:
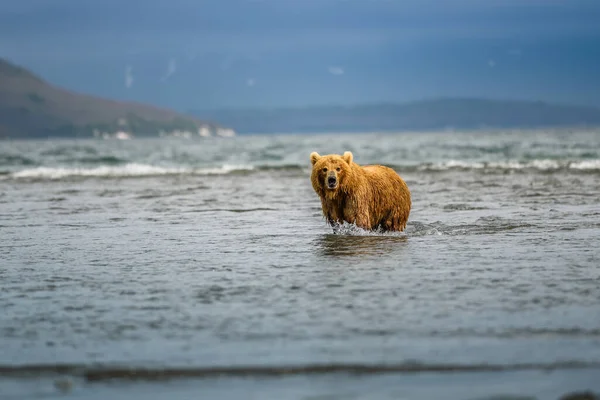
column 33, row 108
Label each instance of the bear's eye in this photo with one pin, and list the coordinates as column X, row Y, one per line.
column 324, row 169
column 338, row 169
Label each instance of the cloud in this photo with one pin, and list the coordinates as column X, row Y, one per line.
column 251, row 82
column 171, row 69
column 128, row 76
column 336, row 70
column 491, row 63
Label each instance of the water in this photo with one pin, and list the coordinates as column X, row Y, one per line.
column 208, row 262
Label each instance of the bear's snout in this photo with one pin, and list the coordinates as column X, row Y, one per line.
column 331, row 182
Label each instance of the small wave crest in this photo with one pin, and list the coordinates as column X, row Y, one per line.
column 103, row 171
column 117, row 168
column 122, row 171
column 418, row 229
column 590, row 165
column 542, row 165
column 348, row 229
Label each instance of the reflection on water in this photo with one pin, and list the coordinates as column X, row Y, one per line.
column 334, row 245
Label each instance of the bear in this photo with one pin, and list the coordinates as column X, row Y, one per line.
column 373, row 197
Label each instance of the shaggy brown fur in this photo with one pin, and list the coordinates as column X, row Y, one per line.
column 372, row 197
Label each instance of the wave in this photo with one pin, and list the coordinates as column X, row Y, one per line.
column 123, row 171
column 103, row 171
column 284, row 167
column 147, row 170
column 12, row 159
column 542, row 165
column 487, row 226
column 106, row 160
column 104, row 373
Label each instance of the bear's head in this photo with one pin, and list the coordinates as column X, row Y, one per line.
column 330, row 172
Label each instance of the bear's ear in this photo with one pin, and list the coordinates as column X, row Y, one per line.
column 314, row 157
column 348, row 157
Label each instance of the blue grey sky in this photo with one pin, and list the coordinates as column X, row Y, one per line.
column 190, row 54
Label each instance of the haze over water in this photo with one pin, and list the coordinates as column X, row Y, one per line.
column 213, row 254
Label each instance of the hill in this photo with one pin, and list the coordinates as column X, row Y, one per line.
column 423, row 115
column 31, row 107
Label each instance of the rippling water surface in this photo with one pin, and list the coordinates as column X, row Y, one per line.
column 208, row 262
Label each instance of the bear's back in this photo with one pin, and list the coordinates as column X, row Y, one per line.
column 386, row 185
column 377, row 173
column 390, row 198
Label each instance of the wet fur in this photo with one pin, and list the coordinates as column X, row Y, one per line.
column 372, row 197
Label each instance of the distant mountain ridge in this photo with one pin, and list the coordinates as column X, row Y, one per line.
column 436, row 114
column 31, row 107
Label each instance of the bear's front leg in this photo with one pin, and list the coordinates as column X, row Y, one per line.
column 363, row 221
column 330, row 211
column 357, row 215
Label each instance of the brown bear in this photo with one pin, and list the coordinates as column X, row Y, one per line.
column 372, row 197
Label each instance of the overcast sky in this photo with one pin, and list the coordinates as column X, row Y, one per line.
column 190, row 54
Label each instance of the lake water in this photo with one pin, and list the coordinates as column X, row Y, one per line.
column 208, row 262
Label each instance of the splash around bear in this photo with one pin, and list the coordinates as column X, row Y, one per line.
column 372, row 197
